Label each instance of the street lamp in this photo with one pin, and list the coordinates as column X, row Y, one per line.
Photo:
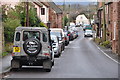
column 48, row 25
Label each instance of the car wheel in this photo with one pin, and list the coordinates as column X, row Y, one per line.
column 47, row 70
column 53, row 63
column 15, row 64
column 47, row 65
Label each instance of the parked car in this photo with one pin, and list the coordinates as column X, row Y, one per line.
column 56, row 46
column 70, row 34
column 62, row 33
column 76, row 34
column 66, row 38
column 59, row 35
column 88, row 33
column 32, row 48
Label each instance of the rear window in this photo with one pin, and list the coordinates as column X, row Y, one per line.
column 44, row 37
column 17, row 38
column 58, row 34
column 31, row 34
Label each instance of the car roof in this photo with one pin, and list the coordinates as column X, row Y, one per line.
column 56, row 28
column 31, row 28
column 53, row 35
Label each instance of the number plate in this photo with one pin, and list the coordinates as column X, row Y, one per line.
column 16, row 49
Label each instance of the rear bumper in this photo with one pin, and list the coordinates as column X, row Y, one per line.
column 88, row 35
column 31, row 61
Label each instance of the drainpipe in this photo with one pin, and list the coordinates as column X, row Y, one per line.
column 104, row 23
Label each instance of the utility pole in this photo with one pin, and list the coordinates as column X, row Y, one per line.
column 64, row 14
column 27, row 14
column 104, row 23
column 89, row 14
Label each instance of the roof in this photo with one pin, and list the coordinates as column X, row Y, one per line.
column 38, row 3
column 55, row 7
column 31, row 28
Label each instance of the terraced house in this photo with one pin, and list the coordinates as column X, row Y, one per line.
column 49, row 13
column 109, row 24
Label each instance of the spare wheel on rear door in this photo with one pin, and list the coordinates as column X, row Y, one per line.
column 32, row 46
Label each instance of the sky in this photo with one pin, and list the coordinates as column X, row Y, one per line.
column 50, row 0
column 82, row 3
column 75, row 0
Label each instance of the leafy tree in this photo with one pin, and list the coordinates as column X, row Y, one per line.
column 65, row 21
column 17, row 17
column 9, row 28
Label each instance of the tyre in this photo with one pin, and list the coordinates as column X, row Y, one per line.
column 47, row 65
column 15, row 64
column 32, row 47
column 53, row 63
column 47, row 70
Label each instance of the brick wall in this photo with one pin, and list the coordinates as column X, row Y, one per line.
column 59, row 20
column 52, row 18
column 110, row 21
column 55, row 19
column 119, row 26
column 115, row 28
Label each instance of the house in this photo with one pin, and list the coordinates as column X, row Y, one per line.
column 82, row 19
column 109, row 19
column 49, row 12
column 42, row 11
column 55, row 15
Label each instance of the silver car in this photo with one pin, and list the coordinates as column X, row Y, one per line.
column 88, row 33
column 56, row 46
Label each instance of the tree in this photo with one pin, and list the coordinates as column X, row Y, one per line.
column 65, row 21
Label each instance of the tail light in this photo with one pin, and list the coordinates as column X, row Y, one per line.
column 49, row 47
column 68, row 34
column 13, row 54
column 65, row 38
column 46, row 54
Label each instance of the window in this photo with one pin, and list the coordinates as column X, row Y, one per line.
column 17, row 36
column 31, row 34
column 44, row 37
column 42, row 11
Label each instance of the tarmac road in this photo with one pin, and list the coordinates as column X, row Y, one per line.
column 81, row 59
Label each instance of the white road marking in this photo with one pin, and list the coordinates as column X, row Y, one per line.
column 107, row 55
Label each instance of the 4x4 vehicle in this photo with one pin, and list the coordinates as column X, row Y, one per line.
column 32, row 48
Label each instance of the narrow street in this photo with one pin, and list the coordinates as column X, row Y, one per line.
column 80, row 59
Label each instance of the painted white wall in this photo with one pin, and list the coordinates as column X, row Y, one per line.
column 44, row 18
column 80, row 19
column 38, row 10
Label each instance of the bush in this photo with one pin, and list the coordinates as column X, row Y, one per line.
column 3, row 54
column 43, row 25
column 9, row 47
column 106, row 44
column 98, row 40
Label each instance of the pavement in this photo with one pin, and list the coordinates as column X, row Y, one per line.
column 108, row 52
column 82, row 58
column 5, row 63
